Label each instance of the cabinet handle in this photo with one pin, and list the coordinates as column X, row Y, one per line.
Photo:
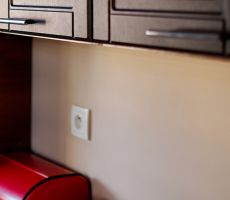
column 183, row 35
column 17, row 21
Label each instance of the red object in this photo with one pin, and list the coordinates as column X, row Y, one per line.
column 24, row 176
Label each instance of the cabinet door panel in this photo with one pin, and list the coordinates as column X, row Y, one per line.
column 170, row 5
column 3, row 12
column 134, row 30
column 52, row 23
column 43, row 3
column 79, row 8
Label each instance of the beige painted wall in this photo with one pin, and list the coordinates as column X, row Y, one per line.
column 160, row 121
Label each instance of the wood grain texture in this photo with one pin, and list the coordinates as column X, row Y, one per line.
column 167, row 5
column 51, row 3
column 54, row 23
column 3, row 12
column 101, row 20
column 15, row 92
column 81, row 10
column 131, row 30
column 226, row 6
column 81, row 20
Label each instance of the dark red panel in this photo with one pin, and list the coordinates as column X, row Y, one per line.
column 65, row 188
column 15, row 93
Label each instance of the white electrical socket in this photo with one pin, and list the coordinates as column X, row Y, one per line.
column 80, row 122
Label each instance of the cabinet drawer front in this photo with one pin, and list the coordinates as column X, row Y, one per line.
column 53, row 23
column 137, row 30
column 43, row 3
column 170, row 5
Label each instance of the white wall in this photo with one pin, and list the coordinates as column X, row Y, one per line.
column 160, row 120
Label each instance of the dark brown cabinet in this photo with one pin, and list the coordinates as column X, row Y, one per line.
column 195, row 25
column 53, row 17
column 52, row 23
column 167, row 32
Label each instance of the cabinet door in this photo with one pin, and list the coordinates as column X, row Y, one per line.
column 80, row 9
column 3, row 12
column 51, row 22
column 170, row 5
column 195, row 35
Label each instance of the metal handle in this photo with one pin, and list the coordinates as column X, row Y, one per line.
column 17, row 21
column 183, row 35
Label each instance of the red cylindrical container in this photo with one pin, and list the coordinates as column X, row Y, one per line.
column 24, row 176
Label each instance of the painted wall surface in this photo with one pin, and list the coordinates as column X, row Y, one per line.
column 160, row 120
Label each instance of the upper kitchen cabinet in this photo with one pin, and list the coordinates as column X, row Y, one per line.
column 51, row 17
column 3, row 14
column 194, row 25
